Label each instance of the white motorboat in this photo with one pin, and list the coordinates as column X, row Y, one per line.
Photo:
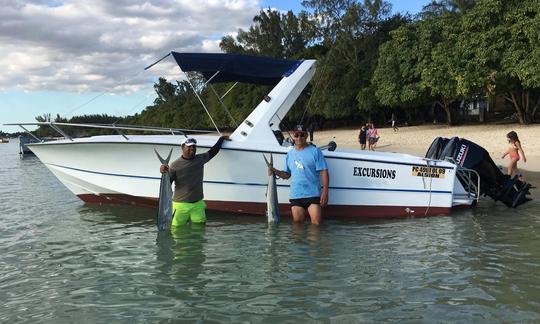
column 124, row 169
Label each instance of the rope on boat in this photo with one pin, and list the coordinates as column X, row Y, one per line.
column 103, row 93
column 315, row 88
column 430, row 183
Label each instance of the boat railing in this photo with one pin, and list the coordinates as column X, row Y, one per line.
column 469, row 178
column 116, row 127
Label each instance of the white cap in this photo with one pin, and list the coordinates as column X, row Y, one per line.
column 189, row 141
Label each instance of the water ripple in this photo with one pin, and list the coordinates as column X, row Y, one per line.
column 64, row 261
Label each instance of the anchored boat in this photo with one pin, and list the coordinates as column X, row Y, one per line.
column 123, row 168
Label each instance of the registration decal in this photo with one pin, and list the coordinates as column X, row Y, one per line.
column 428, row 172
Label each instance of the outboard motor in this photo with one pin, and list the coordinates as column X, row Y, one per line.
column 499, row 186
column 436, row 148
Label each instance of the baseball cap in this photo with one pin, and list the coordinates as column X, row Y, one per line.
column 299, row 128
column 189, row 141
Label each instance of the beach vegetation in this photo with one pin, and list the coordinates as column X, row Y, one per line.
column 372, row 64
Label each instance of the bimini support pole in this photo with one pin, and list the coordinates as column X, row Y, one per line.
column 28, row 132
column 161, row 59
column 202, row 103
column 61, row 132
column 193, row 88
column 223, row 105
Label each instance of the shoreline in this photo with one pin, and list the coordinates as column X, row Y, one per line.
column 415, row 140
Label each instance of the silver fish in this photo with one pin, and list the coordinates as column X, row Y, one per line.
column 272, row 204
column 165, row 214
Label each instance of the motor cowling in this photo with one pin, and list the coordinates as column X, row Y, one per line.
column 512, row 191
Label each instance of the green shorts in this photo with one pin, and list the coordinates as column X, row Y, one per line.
column 184, row 211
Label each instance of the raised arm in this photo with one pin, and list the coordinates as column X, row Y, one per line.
column 215, row 149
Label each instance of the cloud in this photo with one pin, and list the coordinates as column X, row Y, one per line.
column 103, row 46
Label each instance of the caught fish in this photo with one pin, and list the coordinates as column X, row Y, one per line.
column 272, row 204
column 165, row 213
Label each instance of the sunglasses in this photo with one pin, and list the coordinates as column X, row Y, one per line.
column 299, row 134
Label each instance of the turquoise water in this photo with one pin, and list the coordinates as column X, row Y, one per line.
column 64, row 261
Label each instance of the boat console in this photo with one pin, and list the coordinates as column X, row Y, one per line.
column 512, row 191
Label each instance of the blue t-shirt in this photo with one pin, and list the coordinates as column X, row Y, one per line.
column 304, row 167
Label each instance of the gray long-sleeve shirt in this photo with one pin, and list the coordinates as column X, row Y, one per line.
column 188, row 175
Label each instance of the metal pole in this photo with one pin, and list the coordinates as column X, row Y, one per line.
column 34, row 136
column 207, row 81
column 56, row 128
column 202, row 103
column 161, row 59
column 119, row 132
column 226, row 93
column 224, row 107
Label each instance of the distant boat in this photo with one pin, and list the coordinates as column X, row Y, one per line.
column 4, row 140
column 25, row 140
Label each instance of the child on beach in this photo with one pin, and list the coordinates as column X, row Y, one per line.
column 394, row 123
column 515, row 151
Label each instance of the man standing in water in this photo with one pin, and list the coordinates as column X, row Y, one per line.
column 306, row 165
column 187, row 173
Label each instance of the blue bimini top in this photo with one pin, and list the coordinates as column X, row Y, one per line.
column 236, row 67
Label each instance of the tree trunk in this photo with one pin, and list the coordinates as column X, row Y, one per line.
column 512, row 97
column 446, row 105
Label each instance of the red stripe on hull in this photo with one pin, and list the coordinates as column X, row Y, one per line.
column 254, row 208
column 120, row 200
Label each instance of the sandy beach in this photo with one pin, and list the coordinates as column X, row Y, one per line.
column 416, row 140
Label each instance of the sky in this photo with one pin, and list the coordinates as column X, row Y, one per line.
column 77, row 57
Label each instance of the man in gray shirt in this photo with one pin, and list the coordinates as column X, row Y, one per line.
column 187, row 173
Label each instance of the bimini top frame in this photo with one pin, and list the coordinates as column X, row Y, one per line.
column 228, row 68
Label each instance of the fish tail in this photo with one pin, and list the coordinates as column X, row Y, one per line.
column 164, row 161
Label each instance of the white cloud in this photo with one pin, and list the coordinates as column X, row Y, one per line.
column 101, row 45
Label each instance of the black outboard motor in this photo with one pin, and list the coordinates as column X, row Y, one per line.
column 436, row 148
column 499, row 186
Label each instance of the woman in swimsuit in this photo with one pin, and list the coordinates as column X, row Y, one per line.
column 515, row 151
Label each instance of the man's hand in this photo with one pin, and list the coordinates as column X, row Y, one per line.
column 324, row 197
column 271, row 171
column 226, row 137
column 164, row 168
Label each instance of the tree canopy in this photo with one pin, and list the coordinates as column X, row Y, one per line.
column 371, row 63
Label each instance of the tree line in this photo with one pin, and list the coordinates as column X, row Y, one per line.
column 372, row 64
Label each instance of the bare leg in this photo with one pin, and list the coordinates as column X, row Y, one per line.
column 298, row 214
column 512, row 167
column 315, row 213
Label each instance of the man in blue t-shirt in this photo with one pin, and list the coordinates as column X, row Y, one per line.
column 306, row 167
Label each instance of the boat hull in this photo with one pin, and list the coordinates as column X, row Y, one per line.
column 258, row 208
column 362, row 184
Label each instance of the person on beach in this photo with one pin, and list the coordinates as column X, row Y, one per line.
column 362, row 137
column 307, row 168
column 394, row 123
column 373, row 137
column 515, row 152
column 187, row 174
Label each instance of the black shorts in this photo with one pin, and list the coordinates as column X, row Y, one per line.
column 305, row 202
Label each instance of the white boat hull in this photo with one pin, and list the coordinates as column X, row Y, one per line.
column 109, row 169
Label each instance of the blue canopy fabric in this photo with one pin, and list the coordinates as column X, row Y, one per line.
column 236, row 67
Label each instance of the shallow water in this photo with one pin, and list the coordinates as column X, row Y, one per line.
column 64, row 261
